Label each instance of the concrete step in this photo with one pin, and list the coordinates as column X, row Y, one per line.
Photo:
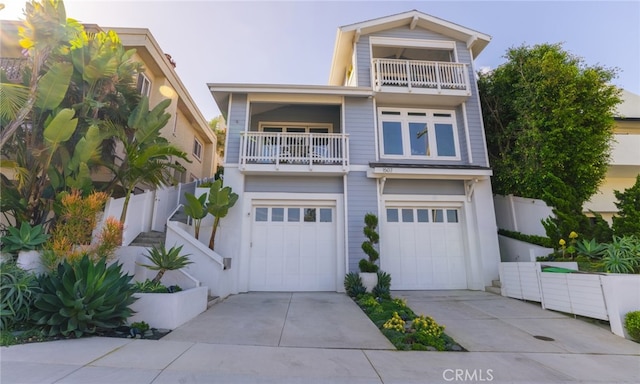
column 212, row 300
column 494, row 290
column 496, row 283
column 149, row 239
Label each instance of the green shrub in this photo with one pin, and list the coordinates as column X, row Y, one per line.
column 149, row 286
column 26, row 238
column 383, row 288
column 632, row 324
column 532, row 239
column 17, row 294
column 353, row 285
column 627, row 221
column 368, row 246
column 83, row 297
column 622, row 255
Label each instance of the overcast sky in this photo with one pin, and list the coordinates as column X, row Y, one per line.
column 277, row 42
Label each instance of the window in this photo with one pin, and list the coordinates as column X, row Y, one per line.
column 295, row 127
column 197, row 149
column 144, row 84
column 426, row 134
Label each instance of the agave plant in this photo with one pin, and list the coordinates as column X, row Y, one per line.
column 164, row 261
column 622, row 255
column 27, row 238
column 17, row 292
column 353, row 285
column 591, row 249
column 83, row 297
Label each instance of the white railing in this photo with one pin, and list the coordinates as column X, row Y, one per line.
column 294, row 148
column 420, row 74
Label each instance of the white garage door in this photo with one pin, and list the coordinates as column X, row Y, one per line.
column 293, row 248
column 423, row 248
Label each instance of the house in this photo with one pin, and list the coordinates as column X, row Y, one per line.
column 187, row 128
column 624, row 165
column 397, row 132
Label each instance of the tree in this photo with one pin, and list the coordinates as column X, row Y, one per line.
column 217, row 124
column 627, row 222
column 221, row 199
column 77, row 89
column 148, row 157
column 547, row 114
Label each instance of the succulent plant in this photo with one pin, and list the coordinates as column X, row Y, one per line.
column 26, row 238
column 164, row 260
column 83, row 297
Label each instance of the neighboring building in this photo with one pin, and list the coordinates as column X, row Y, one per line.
column 625, row 158
column 397, row 132
column 187, row 128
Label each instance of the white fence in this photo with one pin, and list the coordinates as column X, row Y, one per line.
column 521, row 214
column 600, row 296
column 148, row 211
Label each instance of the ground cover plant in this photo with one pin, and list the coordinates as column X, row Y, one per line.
column 406, row 330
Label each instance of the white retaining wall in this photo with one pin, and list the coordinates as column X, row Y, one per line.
column 521, row 214
column 512, row 250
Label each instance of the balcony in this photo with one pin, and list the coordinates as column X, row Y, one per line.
column 436, row 81
column 13, row 67
column 325, row 153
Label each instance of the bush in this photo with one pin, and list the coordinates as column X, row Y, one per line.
column 622, row 255
column 532, row 239
column 368, row 246
column 17, row 294
column 83, row 297
column 353, row 285
column 149, row 286
column 627, row 222
column 632, row 324
column 383, row 288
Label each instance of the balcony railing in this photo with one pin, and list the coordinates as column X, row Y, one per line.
column 294, row 149
column 13, row 67
column 434, row 75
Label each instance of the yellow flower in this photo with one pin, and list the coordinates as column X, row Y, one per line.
column 573, row 235
column 562, row 242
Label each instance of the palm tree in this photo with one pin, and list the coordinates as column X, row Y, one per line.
column 148, row 157
column 163, row 261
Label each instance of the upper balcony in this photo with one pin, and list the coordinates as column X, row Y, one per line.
column 13, row 68
column 442, row 82
column 322, row 153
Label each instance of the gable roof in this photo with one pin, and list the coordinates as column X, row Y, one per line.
column 348, row 34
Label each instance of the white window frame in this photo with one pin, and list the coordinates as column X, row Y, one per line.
column 285, row 125
column 430, row 119
column 145, row 88
column 197, row 148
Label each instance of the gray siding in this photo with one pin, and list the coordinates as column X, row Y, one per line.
column 363, row 60
column 360, row 125
column 478, row 150
column 236, row 124
column 361, row 199
column 298, row 184
column 423, row 187
column 300, row 113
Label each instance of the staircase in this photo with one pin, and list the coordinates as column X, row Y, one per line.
column 149, row 239
column 495, row 287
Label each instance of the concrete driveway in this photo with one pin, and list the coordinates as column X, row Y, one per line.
column 317, row 320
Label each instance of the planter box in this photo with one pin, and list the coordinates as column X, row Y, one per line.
column 169, row 310
column 521, row 281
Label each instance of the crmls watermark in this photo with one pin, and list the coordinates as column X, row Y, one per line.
column 472, row 375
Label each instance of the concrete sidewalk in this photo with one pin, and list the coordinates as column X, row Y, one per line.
column 498, row 331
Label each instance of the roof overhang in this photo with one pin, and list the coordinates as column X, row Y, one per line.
column 221, row 92
column 347, row 35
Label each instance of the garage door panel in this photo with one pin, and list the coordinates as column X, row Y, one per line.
column 423, row 247
column 293, row 248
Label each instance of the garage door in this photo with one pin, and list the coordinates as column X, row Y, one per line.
column 293, row 248
column 423, row 248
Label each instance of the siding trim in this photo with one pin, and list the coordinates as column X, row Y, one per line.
column 477, row 96
column 226, row 137
column 466, row 132
column 408, row 42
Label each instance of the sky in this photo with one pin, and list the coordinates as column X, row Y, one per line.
column 280, row 42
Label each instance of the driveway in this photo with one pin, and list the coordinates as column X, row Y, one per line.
column 314, row 320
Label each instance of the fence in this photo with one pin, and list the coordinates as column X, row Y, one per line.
column 149, row 211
